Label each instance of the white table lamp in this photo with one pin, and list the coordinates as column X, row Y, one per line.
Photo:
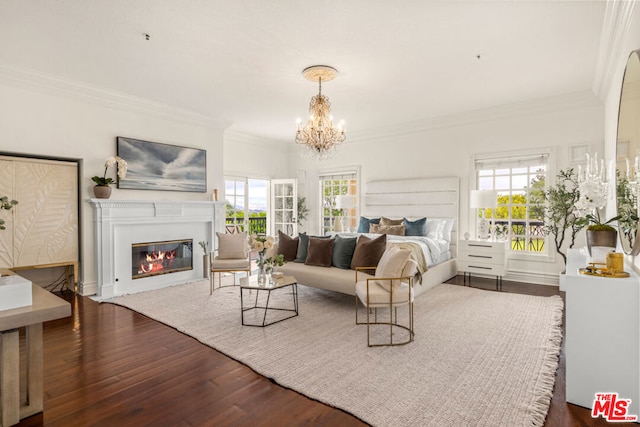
column 483, row 199
column 343, row 202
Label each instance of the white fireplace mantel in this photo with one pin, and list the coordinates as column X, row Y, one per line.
column 120, row 223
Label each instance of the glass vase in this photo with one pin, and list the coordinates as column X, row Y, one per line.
column 262, row 274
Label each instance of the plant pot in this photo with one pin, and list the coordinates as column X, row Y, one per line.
column 605, row 238
column 205, row 266
column 102, row 191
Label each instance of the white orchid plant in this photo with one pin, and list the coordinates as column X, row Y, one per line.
column 593, row 198
column 103, row 181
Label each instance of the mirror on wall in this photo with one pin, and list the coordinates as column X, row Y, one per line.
column 628, row 156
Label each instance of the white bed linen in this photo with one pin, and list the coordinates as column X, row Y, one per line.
column 435, row 251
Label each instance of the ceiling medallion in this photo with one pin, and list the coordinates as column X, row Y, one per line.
column 319, row 138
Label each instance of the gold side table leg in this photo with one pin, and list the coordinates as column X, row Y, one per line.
column 9, row 378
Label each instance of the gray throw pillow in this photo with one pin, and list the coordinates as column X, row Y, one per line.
column 343, row 248
column 363, row 227
column 415, row 228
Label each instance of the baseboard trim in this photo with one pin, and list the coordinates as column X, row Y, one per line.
column 535, row 278
column 87, row 288
column 527, row 277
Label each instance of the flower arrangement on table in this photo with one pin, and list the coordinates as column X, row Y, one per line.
column 594, row 190
column 593, row 198
column 273, row 262
column 103, row 181
column 261, row 244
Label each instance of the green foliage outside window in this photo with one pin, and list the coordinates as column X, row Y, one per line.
column 521, row 214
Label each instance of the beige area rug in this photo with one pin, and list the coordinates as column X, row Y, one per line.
column 479, row 358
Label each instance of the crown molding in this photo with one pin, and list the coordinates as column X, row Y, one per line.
column 572, row 101
column 618, row 16
column 111, row 99
column 258, row 141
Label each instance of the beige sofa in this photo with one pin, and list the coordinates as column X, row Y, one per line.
column 344, row 281
column 330, row 278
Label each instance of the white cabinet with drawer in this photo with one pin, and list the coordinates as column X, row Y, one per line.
column 483, row 257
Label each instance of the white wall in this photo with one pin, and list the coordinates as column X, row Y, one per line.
column 51, row 118
column 445, row 147
column 255, row 157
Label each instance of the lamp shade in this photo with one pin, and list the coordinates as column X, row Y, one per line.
column 479, row 199
column 345, row 202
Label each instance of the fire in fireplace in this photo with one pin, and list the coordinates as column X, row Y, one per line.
column 153, row 258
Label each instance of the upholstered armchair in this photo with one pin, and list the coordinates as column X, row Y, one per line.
column 390, row 288
column 232, row 257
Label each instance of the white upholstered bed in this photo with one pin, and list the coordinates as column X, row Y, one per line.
column 433, row 198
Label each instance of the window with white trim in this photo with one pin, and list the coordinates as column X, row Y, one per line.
column 520, row 182
column 334, row 185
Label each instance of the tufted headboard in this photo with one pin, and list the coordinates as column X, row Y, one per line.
column 415, row 198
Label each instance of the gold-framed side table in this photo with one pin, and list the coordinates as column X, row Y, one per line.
column 251, row 284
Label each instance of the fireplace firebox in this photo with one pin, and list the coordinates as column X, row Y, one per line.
column 153, row 258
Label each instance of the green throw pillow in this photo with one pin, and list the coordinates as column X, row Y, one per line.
column 343, row 249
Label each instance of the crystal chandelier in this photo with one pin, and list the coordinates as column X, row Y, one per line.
column 319, row 138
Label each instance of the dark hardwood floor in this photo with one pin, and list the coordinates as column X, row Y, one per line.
column 108, row 366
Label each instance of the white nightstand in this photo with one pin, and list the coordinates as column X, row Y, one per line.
column 483, row 257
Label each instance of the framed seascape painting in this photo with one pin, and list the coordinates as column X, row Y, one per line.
column 156, row 166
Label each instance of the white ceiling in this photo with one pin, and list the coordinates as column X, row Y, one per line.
column 241, row 60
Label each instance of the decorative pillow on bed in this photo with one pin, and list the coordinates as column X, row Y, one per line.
column 343, row 248
column 391, row 265
column 435, row 228
column 440, row 228
column 303, row 245
column 232, row 246
column 415, row 228
column 447, row 229
column 287, row 246
column 319, row 252
column 397, row 230
column 363, row 227
column 368, row 251
column 387, row 221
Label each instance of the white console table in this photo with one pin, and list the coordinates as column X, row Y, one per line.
column 602, row 343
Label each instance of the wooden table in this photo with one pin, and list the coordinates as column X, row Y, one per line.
column 45, row 307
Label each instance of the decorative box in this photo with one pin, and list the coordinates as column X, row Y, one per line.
column 15, row 291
